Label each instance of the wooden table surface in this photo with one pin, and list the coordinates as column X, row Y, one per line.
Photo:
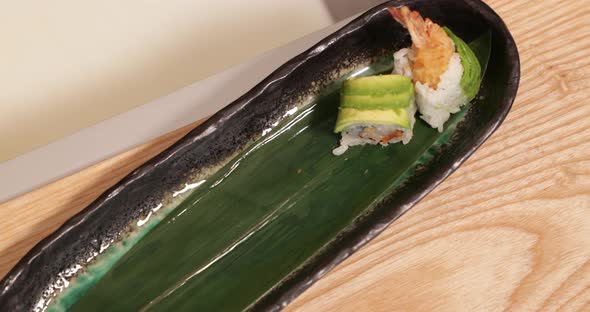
column 510, row 230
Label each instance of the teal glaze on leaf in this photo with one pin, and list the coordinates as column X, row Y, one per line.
column 472, row 72
column 259, row 218
column 102, row 240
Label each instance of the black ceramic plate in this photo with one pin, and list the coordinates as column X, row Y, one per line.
column 250, row 208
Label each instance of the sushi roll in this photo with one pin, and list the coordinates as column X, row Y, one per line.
column 375, row 110
column 445, row 71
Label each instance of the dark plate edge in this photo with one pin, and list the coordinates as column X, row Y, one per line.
column 276, row 77
column 279, row 297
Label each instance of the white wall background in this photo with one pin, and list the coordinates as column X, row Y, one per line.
column 67, row 64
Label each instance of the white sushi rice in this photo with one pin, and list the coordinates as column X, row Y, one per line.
column 351, row 137
column 436, row 106
column 401, row 62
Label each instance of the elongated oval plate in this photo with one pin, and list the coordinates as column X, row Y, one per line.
column 251, row 207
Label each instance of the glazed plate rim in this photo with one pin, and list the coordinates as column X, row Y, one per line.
column 282, row 294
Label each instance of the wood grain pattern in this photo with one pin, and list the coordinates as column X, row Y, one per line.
column 510, row 230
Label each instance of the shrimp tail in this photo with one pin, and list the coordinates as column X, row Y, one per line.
column 397, row 15
column 431, row 45
column 414, row 23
